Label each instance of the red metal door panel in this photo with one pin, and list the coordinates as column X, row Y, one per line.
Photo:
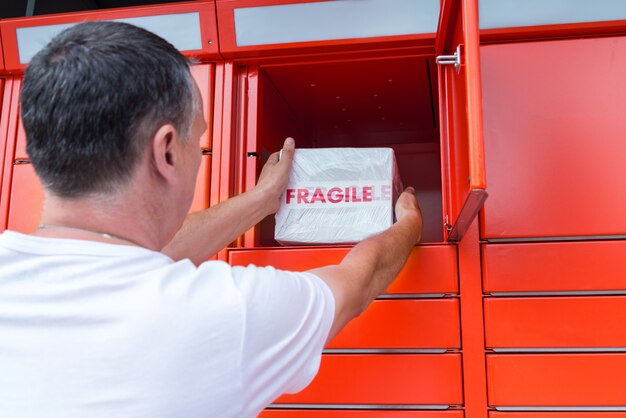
column 423, row 379
column 574, row 266
column 26, row 200
column 556, row 379
column 404, row 324
column 303, row 413
column 554, row 138
column 430, row 269
column 203, row 186
column 460, row 115
column 5, row 110
column 555, row 322
column 494, row 414
column 203, row 75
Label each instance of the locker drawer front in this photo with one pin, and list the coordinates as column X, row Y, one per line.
column 26, row 199
column 411, row 379
column 430, row 269
column 276, row 413
column 556, row 379
column 576, row 322
column 404, row 324
column 557, row 414
column 554, row 142
column 563, row 266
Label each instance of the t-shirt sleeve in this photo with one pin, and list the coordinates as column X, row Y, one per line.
column 288, row 318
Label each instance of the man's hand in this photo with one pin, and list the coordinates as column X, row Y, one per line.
column 275, row 175
column 205, row 233
column 408, row 209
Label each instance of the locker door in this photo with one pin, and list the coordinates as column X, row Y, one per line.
column 204, row 75
column 460, row 111
column 5, row 108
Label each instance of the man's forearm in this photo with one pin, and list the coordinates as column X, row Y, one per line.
column 205, row 233
column 385, row 254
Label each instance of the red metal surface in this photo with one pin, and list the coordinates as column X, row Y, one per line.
column 575, row 266
column 553, row 137
column 5, row 111
column 326, row 413
column 422, row 379
column 460, row 115
column 204, row 75
column 2, row 70
column 9, row 122
column 555, row 322
column 577, row 414
column 556, row 379
column 229, row 48
column 203, row 186
column 472, row 335
column 378, row 102
column 26, row 199
column 404, row 324
column 430, row 269
column 206, row 10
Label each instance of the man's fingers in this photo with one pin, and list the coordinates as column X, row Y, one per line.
column 410, row 189
column 288, row 150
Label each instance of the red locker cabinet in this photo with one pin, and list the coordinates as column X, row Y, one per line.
column 554, row 138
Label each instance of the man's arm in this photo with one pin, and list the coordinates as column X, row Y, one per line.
column 370, row 267
column 205, row 233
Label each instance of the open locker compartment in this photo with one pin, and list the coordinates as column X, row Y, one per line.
column 378, row 102
column 429, row 114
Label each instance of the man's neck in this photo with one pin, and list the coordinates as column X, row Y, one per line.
column 117, row 220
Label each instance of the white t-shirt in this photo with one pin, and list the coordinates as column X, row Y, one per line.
column 90, row 329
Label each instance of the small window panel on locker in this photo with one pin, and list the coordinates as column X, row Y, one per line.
column 581, row 323
column 421, row 380
column 514, row 13
column 430, row 270
column 554, row 139
column 564, row 267
column 190, row 27
column 250, row 26
column 557, row 381
column 329, row 413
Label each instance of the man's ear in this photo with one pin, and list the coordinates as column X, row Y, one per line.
column 164, row 152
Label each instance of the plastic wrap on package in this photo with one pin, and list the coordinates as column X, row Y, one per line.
column 338, row 195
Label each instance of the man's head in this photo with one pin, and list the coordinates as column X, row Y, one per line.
column 93, row 100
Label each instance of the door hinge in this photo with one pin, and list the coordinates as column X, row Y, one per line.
column 454, row 59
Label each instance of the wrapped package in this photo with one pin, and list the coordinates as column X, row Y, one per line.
column 338, row 196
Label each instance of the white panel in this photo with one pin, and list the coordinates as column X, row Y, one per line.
column 340, row 19
column 181, row 30
column 514, row 13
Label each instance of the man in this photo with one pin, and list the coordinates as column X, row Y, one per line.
column 102, row 310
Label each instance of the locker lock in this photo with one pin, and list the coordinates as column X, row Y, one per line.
column 451, row 59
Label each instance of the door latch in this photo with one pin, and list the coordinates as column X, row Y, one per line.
column 454, row 59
